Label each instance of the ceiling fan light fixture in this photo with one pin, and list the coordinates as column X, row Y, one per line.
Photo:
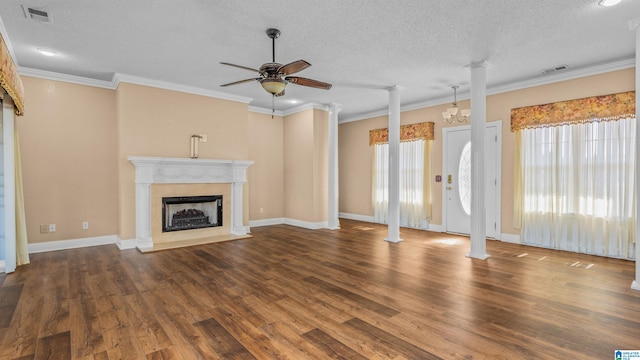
column 273, row 86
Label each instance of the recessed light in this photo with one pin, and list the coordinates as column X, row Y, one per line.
column 47, row 52
column 609, row 2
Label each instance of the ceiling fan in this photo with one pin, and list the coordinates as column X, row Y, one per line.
column 274, row 76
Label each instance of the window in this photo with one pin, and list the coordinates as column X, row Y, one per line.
column 412, row 189
column 578, row 187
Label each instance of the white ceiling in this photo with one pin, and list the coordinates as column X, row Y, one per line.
column 360, row 46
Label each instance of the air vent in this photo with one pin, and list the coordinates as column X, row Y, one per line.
column 36, row 14
column 557, row 68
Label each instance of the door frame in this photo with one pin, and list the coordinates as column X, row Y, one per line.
column 498, row 200
column 9, row 263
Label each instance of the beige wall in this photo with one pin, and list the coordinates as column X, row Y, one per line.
column 158, row 122
column 355, row 155
column 75, row 141
column 355, row 162
column 305, row 166
column 68, row 144
column 266, row 175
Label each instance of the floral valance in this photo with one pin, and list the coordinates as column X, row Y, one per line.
column 9, row 78
column 408, row 132
column 591, row 109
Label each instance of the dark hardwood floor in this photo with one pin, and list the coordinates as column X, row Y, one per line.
column 291, row 293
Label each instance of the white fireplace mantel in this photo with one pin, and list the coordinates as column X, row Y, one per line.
column 158, row 170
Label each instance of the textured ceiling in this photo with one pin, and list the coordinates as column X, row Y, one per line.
column 360, row 46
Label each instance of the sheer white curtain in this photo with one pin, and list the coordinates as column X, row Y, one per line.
column 412, row 189
column 578, row 183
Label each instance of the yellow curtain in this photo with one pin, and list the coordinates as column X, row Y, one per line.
column 425, row 131
column 408, row 132
column 22, row 250
column 9, row 78
column 591, row 109
column 11, row 83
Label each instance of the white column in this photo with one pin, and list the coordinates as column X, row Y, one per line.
column 634, row 25
column 333, row 221
column 478, row 121
column 393, row 209
column 237, row 225
column 143, row 216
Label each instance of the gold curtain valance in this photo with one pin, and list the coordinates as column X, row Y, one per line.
column 590, row 109
column 408, row 132
column 9, row 78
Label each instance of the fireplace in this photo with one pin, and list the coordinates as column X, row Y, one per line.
column 191, row 212
column 158, row 178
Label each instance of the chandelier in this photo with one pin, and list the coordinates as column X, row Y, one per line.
column 451, row 114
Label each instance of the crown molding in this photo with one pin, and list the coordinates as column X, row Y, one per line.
column 78, row 80
column 498, row 89
column 261, row 110
column 366, row 115
column 129, row 79
column 303, row 107
column 137, row 80
column 291, row 111
column 564, row 76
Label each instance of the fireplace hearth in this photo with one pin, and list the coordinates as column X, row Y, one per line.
column 191, row 212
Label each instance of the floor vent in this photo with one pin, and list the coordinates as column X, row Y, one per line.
column 36, row 14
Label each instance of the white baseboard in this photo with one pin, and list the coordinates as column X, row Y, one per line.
column 72, row 244
column 356, row 217
column 3, row 266
column 370, row 219
column 306, row 224
column 635, row 285
column 266, row 222
column 511, row 238
column 126, row 244
column 292, row 222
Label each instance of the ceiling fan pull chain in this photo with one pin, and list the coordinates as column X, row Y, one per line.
column 273, row 105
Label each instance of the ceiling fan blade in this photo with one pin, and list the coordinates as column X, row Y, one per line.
column 293, row 67
column 240, row 66
column 241, row 81
column 308, row 82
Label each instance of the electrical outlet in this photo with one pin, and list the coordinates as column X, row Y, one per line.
column 85, row 225
column 44, row 229
column 261, row 210
column 52, row 227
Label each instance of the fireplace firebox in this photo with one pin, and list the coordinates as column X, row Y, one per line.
column 191, row 212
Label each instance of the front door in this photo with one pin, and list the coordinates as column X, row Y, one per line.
column 457, row 180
